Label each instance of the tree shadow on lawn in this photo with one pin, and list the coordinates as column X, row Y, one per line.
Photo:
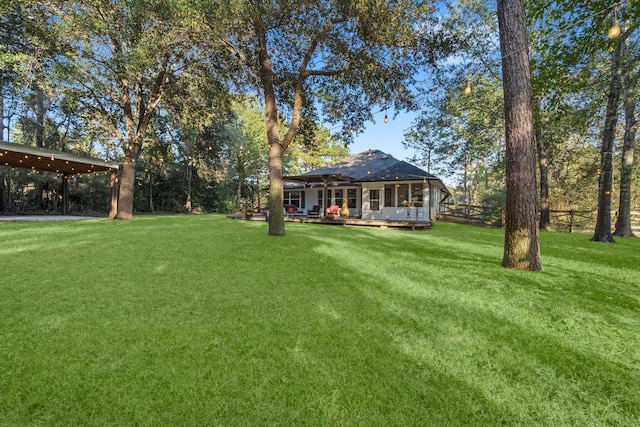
column 589, row 272
column 507, row 333
column 358, row 327
column 519, row 369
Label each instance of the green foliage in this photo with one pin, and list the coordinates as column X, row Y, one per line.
column 41, row 193
column 462, row 134
column 222, row 324
column 315, row 153
column 361, row 54
column 461, row 126
column 572, row 68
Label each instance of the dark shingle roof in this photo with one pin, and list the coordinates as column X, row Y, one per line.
column 373, row 165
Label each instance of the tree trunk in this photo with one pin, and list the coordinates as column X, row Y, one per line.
column 276, row 191
column 113, row 210
column 238, row 195
column 521, row 246
column 623, row 224
column 127, row 186
column 543, row 167
column 152, row 207
column 188, row 205
column 276, row 150
column 40, row 112
column 3, row 195
column 602, row 232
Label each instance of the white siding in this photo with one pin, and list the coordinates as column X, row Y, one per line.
column 432, row 193
column 395, row 213
column 313, row 196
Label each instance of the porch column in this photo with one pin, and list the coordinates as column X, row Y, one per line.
column 65, row 195
column 114, row 194
column 324, row 196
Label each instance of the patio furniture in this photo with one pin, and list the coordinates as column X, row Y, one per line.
column 314, row 212
column 292, row 210
column 333, row 212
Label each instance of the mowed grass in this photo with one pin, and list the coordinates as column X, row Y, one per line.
column 201, row 320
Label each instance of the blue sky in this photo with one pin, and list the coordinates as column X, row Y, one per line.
column 386, row 137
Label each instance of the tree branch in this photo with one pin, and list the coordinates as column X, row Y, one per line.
column 241, row 57
column 302, row 75
column 324, row 73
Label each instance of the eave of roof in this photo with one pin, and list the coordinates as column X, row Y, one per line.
column 40, row 159
column 372, row 165
column 307, row 178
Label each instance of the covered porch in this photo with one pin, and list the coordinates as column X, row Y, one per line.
column 64, row 163
column 329, row 189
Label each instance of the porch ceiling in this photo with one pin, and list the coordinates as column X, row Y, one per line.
column 27, row 157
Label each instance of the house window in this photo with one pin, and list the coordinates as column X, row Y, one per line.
column 390, row 195
column 396, row 195
column 320, row 198
column 338, row 194
column 351, row 198
column 292, row 198
column 416, row 194
column 403, row 193
column 374, row 200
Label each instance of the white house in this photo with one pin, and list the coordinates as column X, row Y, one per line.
column 376, row 185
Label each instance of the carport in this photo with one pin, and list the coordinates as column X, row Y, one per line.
column 63, row 163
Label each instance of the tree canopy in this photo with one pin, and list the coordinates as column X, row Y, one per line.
column 162, row 87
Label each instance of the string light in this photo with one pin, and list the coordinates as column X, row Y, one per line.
column 614, row 30
column 613, row 33
column 467, row 88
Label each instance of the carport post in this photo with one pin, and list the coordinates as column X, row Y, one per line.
column 114, row 194
column 65, row 195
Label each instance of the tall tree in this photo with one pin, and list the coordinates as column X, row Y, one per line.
column 623, row 223
column 125, row 55
column 630, row 77
column 342, row 56
column 28, row 45
column 521, row 246
column 602, row 232
column 460, row 129
column 543, row 168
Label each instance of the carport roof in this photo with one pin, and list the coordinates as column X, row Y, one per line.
column 40, row 159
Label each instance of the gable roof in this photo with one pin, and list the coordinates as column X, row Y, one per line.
column 372, row 165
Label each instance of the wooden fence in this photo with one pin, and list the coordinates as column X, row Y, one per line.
column 470, row 214
column 573, row 221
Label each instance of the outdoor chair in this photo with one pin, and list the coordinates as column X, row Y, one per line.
column 333, row 212
column 292, row 210
column 314, row 211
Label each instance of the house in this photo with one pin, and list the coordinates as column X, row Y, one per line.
column 376, row 185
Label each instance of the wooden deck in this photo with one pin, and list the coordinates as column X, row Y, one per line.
column 351, row 222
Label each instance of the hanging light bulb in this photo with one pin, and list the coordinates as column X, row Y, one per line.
column 467, row 88
column 614, row 30
column 386, row 118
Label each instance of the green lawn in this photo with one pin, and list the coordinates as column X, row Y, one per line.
column 201, row 320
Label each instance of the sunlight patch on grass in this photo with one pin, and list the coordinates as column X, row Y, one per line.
column 199, row 320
